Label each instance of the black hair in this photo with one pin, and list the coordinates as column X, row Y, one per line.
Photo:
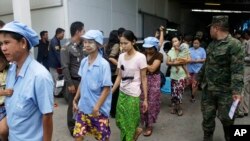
column 76, row 26
column 120, row 31
column 42, row 33
column 16, row 36
column 188, row 38
column 1, row 23
column 129, row 35
column 167, row 46
column 175, row 36
column 59, row 30
column 113, row 39
column 197, row 38
column 4, row 60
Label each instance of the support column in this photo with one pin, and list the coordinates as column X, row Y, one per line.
column 21, row 12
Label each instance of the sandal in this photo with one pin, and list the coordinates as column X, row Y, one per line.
column 137, row 133
column 180, row 112
column 192, row 100
column 148, row 132
column 173, row 111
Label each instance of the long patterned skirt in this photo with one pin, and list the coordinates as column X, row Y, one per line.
column 127, row 116
column 154, row 95
column 177, row 90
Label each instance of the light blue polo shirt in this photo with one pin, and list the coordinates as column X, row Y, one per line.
column 32, row 97
column 198, row 53
column 94, row 78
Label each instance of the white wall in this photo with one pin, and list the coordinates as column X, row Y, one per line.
column 48, row 19
column 44, row 19
column 46, row 14
column 104, row 15
column 107, row 15
column 7, row 18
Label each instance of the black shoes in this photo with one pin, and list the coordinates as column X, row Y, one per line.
column 208, row 138
column 239, row 115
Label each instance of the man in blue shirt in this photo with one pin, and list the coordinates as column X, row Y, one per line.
column 54, row 59
column 30, row 108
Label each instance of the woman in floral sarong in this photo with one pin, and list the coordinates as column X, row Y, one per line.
column 154, row 59
column 132, row 66
column 177, row 77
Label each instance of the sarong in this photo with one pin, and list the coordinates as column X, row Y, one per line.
column 177, row 90
column 127, row 115
column 154, row 94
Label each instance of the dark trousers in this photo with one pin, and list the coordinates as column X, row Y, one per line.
column 43, row 61
column 70, row 120
column 216, row 103
column 115, row 96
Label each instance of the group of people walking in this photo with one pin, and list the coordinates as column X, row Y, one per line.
column 115, row 80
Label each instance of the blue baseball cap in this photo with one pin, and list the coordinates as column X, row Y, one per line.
column 94, row 35
column 151, row 42
column 29, row 34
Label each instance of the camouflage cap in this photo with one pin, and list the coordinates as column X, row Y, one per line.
column 220, row 20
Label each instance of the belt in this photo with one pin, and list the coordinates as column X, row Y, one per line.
column 76, row 78
column 1, row 105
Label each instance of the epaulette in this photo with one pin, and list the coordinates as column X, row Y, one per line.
column 68, row 43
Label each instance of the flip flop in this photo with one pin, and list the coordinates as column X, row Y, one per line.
column 137, row 133
column 148, row 132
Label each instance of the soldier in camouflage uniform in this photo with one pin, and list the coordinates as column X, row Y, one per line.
column 71, row 56
column 221, row 77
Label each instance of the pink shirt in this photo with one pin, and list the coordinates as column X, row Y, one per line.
column 131, row 77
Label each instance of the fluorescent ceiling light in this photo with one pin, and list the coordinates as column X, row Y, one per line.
column 171, row 29
column 218, row 11
column 213, row 4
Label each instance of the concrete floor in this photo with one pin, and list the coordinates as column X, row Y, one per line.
column 168, row 127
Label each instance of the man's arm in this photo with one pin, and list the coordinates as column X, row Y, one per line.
column 237, row 69
column 76, row 99
column 54, row 46
column 65, row 62
column 47, row 127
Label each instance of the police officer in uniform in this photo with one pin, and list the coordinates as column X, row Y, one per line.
column 71, row 56
column 221, row 77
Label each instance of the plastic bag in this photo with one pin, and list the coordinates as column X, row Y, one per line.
column 166, row 88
